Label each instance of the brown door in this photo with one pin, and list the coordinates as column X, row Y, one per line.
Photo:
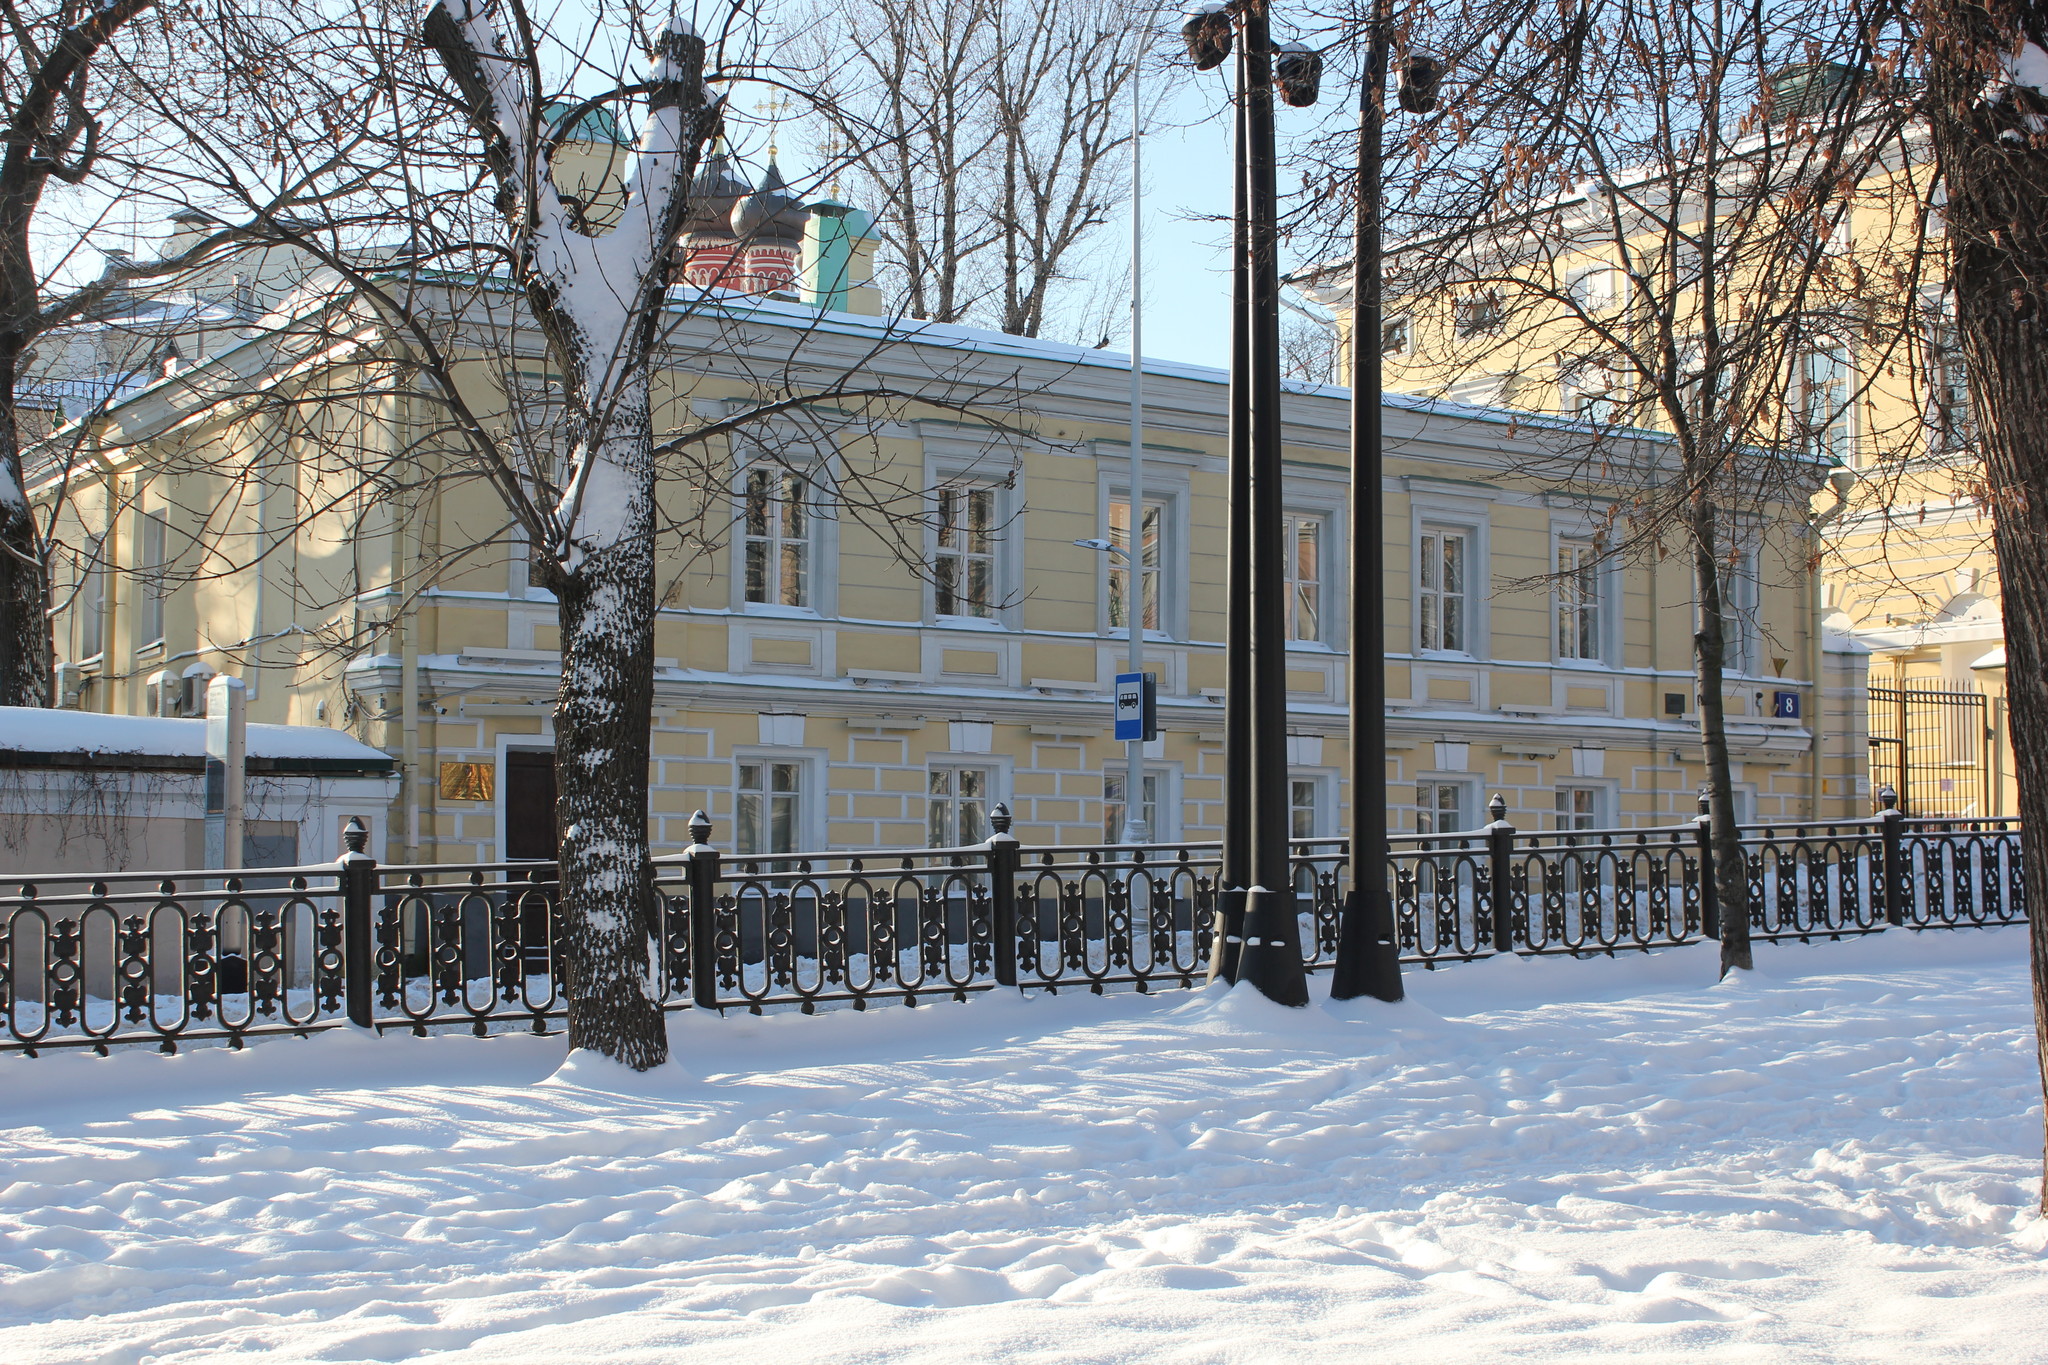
column 530, row 804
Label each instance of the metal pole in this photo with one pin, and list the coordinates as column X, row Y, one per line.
column 1137, row 829
column 1236, row 872
column 1271, row 955
column 1368, row 956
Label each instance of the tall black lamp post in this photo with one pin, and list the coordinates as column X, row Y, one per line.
column 1368, row 953
column 1259, row 938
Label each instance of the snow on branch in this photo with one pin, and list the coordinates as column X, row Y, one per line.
column 491, row 80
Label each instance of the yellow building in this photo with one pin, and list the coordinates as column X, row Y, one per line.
column 831, row 676
column 1907, row 573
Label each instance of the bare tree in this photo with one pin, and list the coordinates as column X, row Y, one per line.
column 77, row 159
column 465, row 304
column 1987, row 105
column 991, row 135
column 1635, row 215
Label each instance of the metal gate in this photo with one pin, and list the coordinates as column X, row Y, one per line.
column 1932, row 745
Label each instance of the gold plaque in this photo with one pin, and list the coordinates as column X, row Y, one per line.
column 467, row 781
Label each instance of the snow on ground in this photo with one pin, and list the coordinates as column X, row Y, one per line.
column 1833, row 1160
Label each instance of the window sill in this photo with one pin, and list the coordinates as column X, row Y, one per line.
column 150, row 650
column 970, row 622
column 778, row 609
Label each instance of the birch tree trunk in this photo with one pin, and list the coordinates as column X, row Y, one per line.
column 1987, row 66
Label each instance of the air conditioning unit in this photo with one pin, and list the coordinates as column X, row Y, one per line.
column 70, row 680
column 164, row 692
column 192, row 690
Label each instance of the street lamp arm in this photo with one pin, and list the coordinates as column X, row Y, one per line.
column 1104, row 547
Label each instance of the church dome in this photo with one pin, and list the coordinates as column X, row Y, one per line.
column 770, row 214
column 713, row 195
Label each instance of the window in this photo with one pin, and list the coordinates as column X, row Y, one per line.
column 964, row 568
column 1151, row 555
column 1595, row 290
column 1439, row 807
column 526, row 579
column 1592, row 389
column 1578, row 600
column 1394, row 337
column 150, row 585
column 1578, row 808
column 1114, row 785
column 1739, row 598
column 1304, row 577
column 776, row 538
column 1826, row 419
column 1949, row 417
column 957, row 806
column 1479, row 313
column 1441, row 608
column 91, row 607
column 1304, row 808
column 770, row 806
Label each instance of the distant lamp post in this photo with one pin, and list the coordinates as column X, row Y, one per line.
column 1368, row 950
column 1258, row 936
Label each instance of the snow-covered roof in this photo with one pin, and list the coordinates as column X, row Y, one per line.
column 31, row 735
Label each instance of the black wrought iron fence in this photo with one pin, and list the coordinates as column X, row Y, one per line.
column 174, row 958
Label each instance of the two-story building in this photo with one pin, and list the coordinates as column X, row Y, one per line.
column 842, row 668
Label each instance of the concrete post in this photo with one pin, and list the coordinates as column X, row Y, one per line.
column 227, row 764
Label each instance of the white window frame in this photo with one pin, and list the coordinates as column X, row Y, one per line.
column 775, row 539
column 1741, row 606
column 1832, row 436
column 1578, row 288
column 1950, row 416
column 152, row 564
column 1479, row 312
column 809, row 820
column 89, row 606
column 1323, row 784
column 1431, row 541
column 989, row 769
column 1166, row 487
column 519, row 572
column 1116, row 569
column 1403, row 329
column 1162, row 808
column 1605, row 582
column 1000, row 553
column 1468, row 811
column 1601, row 799
column 1432, row 506
column 1326, row 540
column 1593, row 389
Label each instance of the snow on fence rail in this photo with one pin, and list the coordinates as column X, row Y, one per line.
column 192, row 956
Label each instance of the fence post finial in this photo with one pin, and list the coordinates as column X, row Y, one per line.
column 356, row 878
column 1887, row 797
column 700, row 828
column 1497, row 808
column 999, row 818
